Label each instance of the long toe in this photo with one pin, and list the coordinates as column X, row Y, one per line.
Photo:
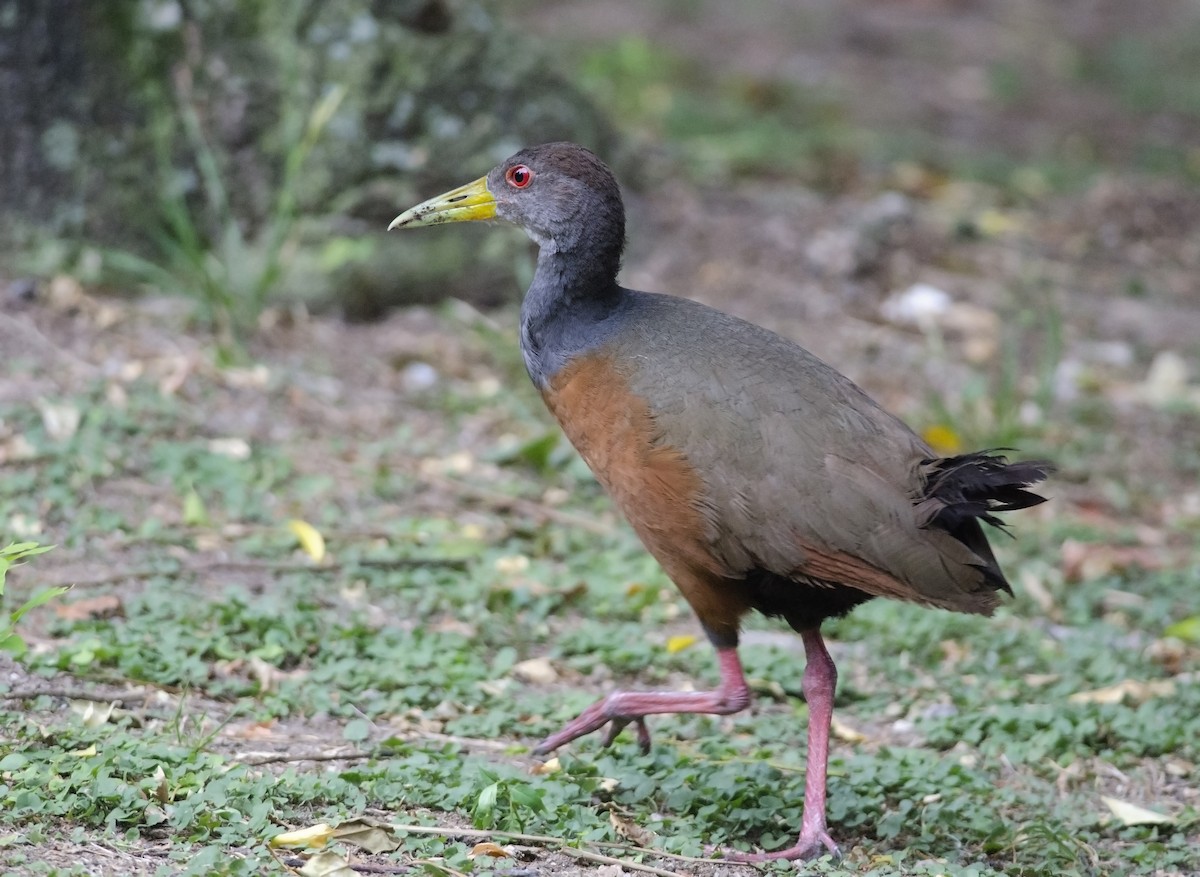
column 809, row 846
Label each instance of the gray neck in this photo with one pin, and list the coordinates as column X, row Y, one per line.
column 563, row 310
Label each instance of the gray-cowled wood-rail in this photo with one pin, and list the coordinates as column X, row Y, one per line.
column 757, row 476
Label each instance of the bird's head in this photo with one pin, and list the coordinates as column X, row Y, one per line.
column 560, row 193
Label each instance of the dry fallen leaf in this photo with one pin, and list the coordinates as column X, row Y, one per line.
column 536, row 670
column 367, row 835
column 60, row 420
column 1131, row 689
column 459, row 463
column 487, row 848
column 1132, row 814
column 261, row 730
column 327, row 864
column 511, row 564
column 1034, row 586
column 101, row 606
column 254, row 377
column 92, row 713
column 1087, row 561
column 16, row 448
column 629, row 829
column 234, row 448
column 162, row 791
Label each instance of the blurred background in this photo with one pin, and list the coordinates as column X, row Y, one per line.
column 1002, row 195
column 268, row 438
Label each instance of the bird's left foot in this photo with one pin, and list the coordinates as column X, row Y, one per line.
column 606, row 712
column 622, row 708
column 811, row 845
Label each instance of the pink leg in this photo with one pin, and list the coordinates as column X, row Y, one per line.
column 820, row 680
column 622, row 707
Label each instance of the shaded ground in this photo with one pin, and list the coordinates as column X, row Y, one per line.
column 337, row 401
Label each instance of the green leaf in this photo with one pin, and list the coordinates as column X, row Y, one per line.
column 527, row 796
column 1187, row 630
column 485, row 806
column 12, row 644
column 41, row 597
column 194, row 512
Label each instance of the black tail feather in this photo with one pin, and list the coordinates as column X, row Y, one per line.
column 962, row 491
column 975, row 486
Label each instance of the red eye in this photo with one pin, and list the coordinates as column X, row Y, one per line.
column 519, row 176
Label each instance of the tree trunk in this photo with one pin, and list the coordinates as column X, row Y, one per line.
column 42, row 72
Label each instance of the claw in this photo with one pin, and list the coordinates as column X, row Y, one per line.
column 623, row 708
column 810, row 846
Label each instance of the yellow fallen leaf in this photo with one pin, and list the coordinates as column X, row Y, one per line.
column 310, row 539
column 994, row 222
column 845, row 733
column 1132, row 814
column 546, row 768
column 1130, row 689
column 679, row 643
column 84, row 753
column 942, row 438
column 472, row 532
column 487, row 848
column 304, row 838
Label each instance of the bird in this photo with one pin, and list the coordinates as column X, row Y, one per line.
column 759, row 477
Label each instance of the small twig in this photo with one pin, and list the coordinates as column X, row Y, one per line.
column 362, row 754
column 271, row 566
column 519, row 504
column 304, row 566
column 282, row 758
column 124, row 698
column 562, row 845
column 119, row 575
column 368, row 868
column 455, row 740
column 601, row 859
